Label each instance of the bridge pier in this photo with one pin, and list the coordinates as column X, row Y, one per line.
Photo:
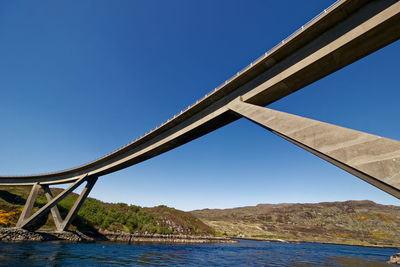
column 372, row 158
column 27, row 221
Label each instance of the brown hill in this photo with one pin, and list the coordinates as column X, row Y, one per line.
column 349, row 222
column 177, row 221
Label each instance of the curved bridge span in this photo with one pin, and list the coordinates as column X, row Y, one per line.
column 340, row 35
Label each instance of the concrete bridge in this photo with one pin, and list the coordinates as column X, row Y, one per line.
column 343, row 33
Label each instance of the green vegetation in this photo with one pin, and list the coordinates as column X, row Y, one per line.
column 96, row 215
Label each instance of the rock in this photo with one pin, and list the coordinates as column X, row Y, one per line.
column 395, row 259
column 120, row 236
column 14, row 234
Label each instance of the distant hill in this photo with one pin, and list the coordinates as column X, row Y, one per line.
column 349, row 222
column 96, row 215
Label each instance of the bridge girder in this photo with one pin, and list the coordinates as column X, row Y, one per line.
column 371, row 158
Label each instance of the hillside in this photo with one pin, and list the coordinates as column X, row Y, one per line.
column 96, row 215
column 350, row 222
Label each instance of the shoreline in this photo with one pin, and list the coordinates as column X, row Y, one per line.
column 15, row 234
column 315, row 242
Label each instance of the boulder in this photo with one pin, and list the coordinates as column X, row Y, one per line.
column 395, row 259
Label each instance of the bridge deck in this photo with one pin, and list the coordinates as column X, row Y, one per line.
column 342, row 34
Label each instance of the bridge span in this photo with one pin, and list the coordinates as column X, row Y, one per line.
column 343, row 33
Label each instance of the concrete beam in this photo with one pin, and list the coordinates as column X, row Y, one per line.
column 26, row 212
column 372, row 158
column 54, row 210
column 78, row 203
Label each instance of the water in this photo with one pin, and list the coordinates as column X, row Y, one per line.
column 245, row 253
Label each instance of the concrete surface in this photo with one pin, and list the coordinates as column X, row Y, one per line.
column 349, row 31
column 372, row 158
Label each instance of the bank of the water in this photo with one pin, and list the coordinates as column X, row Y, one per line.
column 316, row 242
column 244, row 253
column 14, row 234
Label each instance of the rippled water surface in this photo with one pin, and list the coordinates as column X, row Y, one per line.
column 245, row 253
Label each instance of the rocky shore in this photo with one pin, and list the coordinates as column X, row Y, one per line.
column 14, row 234
column 395, row 259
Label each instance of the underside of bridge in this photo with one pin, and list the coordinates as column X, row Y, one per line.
column 348, row 31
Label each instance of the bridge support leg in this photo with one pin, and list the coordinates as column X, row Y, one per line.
column 26, row 212
column 372, row 158
column 27, row 220
column 78, row 203
column 54, row 210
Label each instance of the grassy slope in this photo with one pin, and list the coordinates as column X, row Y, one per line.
column 95, row 215
column 350, row 222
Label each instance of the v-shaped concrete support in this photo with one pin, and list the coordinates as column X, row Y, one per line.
column 54, row 210
column 372, row 158
column 26, row 220
column 26, row 212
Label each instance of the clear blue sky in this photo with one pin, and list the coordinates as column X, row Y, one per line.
column 79, row 79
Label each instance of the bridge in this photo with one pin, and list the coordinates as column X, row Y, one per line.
column 343, row 33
